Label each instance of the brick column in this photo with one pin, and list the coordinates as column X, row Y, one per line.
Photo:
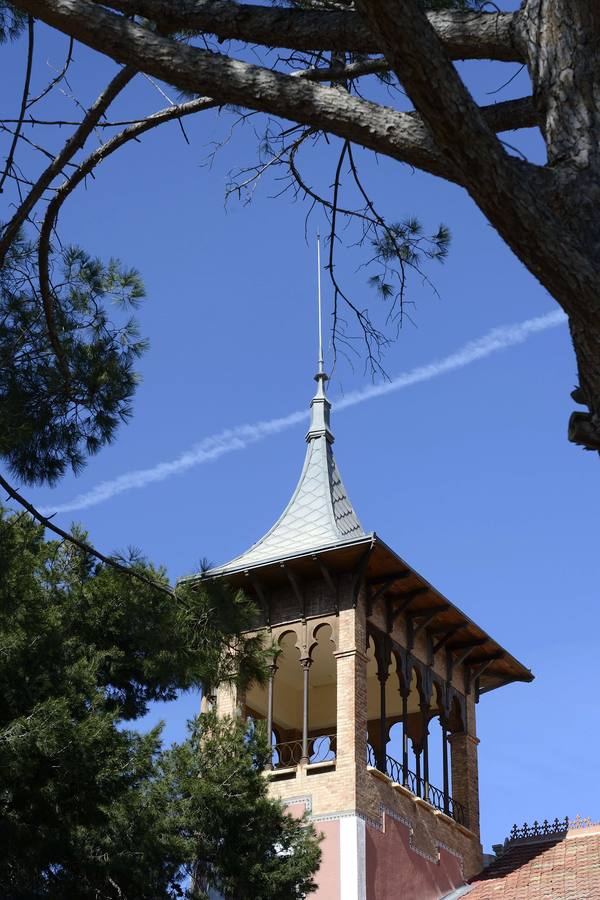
column 465, row 777
column 351, row 664
column 351, row 661
column 228, row 700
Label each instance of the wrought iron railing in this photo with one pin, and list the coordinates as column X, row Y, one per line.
column 418, row 786
column 289, row 753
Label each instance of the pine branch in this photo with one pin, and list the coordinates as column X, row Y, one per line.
column 75, row 143
column 17, row 132
column 77, row 542
column 89, row 164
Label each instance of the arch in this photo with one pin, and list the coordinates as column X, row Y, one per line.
column 284, row 638
column 323, row 685
column 321, row 633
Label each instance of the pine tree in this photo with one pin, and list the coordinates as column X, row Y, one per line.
column 89, row 807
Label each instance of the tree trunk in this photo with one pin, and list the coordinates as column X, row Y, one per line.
column 563, row 43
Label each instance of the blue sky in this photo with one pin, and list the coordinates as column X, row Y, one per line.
column 469, row 476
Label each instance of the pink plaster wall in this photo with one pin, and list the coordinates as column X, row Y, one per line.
column 296, row 809
column 328, row 876
column 395, row 870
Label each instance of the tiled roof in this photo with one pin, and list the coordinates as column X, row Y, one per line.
column 555, row 867
column 320, row 513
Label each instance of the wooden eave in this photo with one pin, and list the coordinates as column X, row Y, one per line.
column 497, row 665
column 372, row 558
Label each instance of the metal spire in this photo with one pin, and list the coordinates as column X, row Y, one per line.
column 321, row 369
column 320, row 513
column 320, row 405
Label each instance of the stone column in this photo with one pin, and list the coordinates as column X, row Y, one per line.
column 382, row 677
column 272, row 670
column 446, row 777
column 417, row 752
column 425, row 747
column 306, row 664
column 404, row 695
column 465, row 777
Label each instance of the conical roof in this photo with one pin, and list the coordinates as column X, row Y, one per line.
column 320, row 513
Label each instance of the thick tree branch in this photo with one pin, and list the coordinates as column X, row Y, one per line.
column 345, row 73
column 465, row 35
column 401, row 136
column 517, row 198
column 436, row 89
column 511, row 115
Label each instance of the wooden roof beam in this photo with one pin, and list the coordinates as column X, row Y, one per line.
column 464, row 649
column 324, row 570
column 328, row 579
column 476, row 668
column 357, row 578
column 387, row 583
column 488, row 658
column 393, row 576
column 262, row 596
column 297, row 588
column 426, row 616
column 471, row 642
column 446, row 636
column 462, row 655
column 406, row 598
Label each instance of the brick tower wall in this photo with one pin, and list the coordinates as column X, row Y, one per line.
column 380, row 841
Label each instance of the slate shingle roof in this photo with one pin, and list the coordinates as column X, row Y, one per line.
column 563, row 867
column 319, row 514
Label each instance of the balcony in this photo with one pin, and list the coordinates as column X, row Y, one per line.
column 419, row 787
column 289, row 754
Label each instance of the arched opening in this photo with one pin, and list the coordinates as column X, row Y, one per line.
column 299, row 701
column 384, row 704
column 323, row 697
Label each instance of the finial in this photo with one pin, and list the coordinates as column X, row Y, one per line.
column 320, row 406
column 321, row 369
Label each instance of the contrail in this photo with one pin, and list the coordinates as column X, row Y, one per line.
column 242, row 436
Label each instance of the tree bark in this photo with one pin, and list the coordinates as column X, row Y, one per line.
column 548, row 216
column 466, row 35
column 562, row 39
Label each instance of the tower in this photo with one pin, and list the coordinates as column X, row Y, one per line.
column 371, row 702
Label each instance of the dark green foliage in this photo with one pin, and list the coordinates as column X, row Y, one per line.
column 12, row 22
column 248, row 847
column 400, row 244
column 58, row 408
column 89, row 809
